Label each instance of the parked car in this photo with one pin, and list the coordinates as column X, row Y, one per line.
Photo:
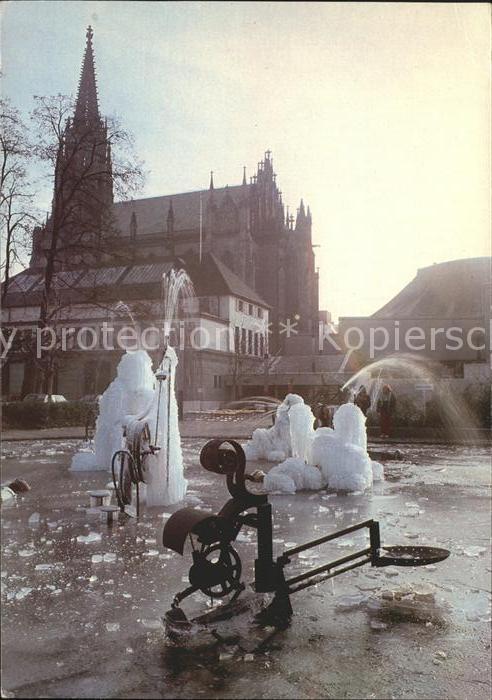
column 255, row 403
column 44, row 398
column 91, row 398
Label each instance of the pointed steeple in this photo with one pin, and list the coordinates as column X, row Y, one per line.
column 211, row 186
column 170, row 230
column 86, row 108
column 244, row 174
column 170, row 217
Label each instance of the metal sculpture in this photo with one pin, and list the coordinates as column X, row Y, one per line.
column 216, row 568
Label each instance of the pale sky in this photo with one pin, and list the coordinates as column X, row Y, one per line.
column 378, row 115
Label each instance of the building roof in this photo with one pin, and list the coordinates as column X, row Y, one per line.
column 210, row 278
column 151, row 213
column 213, row 278
column 451, row 290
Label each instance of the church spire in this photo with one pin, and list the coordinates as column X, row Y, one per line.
column 86, row 108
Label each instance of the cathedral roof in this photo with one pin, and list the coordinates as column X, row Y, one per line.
column 151, row 213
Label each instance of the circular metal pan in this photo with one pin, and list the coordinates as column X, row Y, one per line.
column 402, row 555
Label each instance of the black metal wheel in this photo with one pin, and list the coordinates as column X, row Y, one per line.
column 141, row 450
column 216, row 571
column 123, row 465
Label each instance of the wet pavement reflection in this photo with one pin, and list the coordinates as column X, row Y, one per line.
column 82, row 601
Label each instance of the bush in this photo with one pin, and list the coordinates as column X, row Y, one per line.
column 23, row 414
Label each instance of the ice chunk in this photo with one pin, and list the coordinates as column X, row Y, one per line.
column 44, row 567
column 377, row 625
column 112, row 626
column 350, row 602
column 33, row 520
column 474, row 551
column 377, row 471
column 96, row 558
column 390, row 572
column 152, row 624
column 110, row 557
column 23, row 593
column 90, row 538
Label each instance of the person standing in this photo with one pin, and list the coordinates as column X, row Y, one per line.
column 363, row 400
column 324, row 419
column 386, row 409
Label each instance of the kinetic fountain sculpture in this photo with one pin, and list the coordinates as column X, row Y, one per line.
column 137, row 432
column 335, row 457
column 216, row 569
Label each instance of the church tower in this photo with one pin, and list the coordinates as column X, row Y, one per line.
column 83, row 181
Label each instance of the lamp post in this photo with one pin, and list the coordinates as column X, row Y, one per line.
column 266, row 357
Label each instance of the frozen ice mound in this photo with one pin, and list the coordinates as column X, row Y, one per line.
column 276, row 456
column 293, row 475
column 351, row 468
column 350, row 424
column 301, row 422
column 341, row 452
column 84, row 460
column 135, row 395
column 274, row 444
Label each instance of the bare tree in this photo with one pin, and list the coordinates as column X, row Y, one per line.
column 88, row 160
column 244, row 362
column 17, row 213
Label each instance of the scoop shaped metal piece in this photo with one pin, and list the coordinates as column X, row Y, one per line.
column 403, row 555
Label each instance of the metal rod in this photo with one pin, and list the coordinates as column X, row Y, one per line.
column 330, row 565
column 327, row 538
column 375, row 540
column 367, row 560
column 158, row 409
column 169, row 386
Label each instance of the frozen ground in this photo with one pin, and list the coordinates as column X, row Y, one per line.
column 76, row 626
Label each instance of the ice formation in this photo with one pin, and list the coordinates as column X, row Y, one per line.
column 134, row 395
column 274, row 444
column 293, row 475
column 166, row 483
column 335, row 457
column 301, row 424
